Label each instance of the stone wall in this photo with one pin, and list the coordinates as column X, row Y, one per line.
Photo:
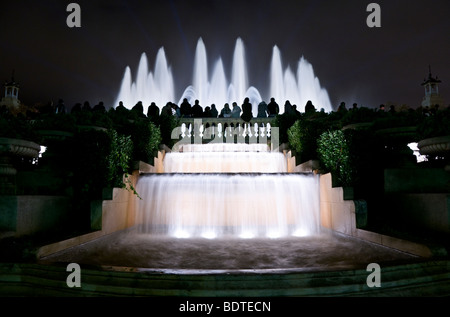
column 114, row 213
column 24, row 214
column 418, row 198
column 422, row 211
column 338, row 214
column 305, row 167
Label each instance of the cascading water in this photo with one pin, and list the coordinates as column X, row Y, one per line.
column 224, row 158
column 228, row 196
column 159, row 87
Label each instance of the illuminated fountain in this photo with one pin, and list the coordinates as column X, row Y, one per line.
column 224, row 221
column 243, row 194
column 225, row 206
column 221, row 158
column 159, row 86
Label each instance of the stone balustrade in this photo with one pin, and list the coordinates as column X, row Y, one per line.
column 226, row 130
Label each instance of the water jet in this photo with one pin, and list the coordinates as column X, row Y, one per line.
column 159, row 85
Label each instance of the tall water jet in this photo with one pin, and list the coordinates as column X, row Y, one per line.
column 201, row 73
column 239, row 77
column 276, row 76
column 148, row 87
column 159, row 87
column 310, row 86
column 218, row 87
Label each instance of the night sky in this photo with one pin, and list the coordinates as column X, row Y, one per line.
column 354, row 63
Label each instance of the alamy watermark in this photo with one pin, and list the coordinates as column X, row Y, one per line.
column 374, row 278
column 74, row 18
column 74, row 278
column 374, row 18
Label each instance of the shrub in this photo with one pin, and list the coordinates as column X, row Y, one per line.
column 55, row 121
column 100, row 159
column 334, row 154
column 146, row 137
column 303, row 135
column 119, row 159
column 92, row 118
column 295, row 137
column 359, row 115
column 17, row 127
column 284, row 122
column 89, row 166
column 166, row 124
column 398, row 119
column 435, row 125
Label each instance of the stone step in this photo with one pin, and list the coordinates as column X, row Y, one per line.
column 431, row 278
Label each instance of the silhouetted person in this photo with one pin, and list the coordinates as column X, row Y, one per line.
column 225, row 112
column 309, row 107
column 185, row 108
column 60, row 107
column 76, row 108
column 246, row 110
column 153, row 111
column 288, row 107
column 262, row 110
column 342, row 107
column 167, row 109
column 176, row 110
column 207, row 112
column 236, row 111
column 87, row 106
column 392, row 109
column 99, row 107
column 120, row 110
column 214, row 112
column 381, row 108
column 197, row 110
column 272, row 108
column 138, row 108
column 355, row 106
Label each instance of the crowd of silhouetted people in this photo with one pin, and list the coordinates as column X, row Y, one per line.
column 187, row 110
column 195, row 110
column 244, row 111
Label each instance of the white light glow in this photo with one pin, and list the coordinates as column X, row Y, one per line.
column 274, row 234
column 300, row 233
column 247, row 235
column 209, row 235
column 42, row 151
column 415, row 149
column 181, row 234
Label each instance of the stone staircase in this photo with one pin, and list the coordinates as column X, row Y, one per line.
column 423, row 278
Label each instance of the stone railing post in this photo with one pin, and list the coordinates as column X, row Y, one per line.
column 226, row 130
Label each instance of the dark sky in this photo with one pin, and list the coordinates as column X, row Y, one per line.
column 354, row 63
